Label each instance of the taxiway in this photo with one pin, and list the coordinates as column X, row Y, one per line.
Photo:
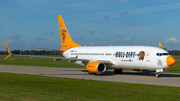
column 167, row 79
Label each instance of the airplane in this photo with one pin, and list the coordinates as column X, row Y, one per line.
column 98, row 59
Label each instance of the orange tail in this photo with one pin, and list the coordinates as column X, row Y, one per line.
column 66, row 41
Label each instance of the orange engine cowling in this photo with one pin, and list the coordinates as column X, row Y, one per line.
column 96, row 67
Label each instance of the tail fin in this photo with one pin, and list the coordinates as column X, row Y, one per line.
column 7, row 50
column 66, row 41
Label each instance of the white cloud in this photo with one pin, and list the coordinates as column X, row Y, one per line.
column 172, row 40
column 129, row 39
column 15, row 37
column 29, row 44
column 91, row 44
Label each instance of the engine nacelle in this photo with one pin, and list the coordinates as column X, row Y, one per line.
column 96, row 67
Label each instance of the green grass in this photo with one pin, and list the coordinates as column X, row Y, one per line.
column 19, row 60
column 21, row 87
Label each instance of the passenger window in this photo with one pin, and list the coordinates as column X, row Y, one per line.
column 158, row 54
column 161, row 54
column 165, row 53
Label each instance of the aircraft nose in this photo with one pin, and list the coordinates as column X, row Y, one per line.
column 170, row 61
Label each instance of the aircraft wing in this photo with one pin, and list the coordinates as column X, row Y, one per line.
column 84, row 61
column 57, row 58
column 47, row 49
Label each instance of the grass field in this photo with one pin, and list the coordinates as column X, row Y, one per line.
column 21, row 87
column 19, row 60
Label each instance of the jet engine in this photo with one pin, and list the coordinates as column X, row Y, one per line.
column 96, row 67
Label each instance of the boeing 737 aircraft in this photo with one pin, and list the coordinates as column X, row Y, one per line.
column 99, row 58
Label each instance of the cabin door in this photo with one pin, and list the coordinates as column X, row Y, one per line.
column 148, row 55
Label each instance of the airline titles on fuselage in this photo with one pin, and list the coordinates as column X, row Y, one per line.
column 118, row 54
column 126, row 54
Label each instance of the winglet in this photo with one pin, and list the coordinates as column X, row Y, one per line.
column 160, row 45
column 7, row 50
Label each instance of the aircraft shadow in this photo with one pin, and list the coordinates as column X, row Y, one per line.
column 61, row 74
column 133, row 73
column 153, row 74
column 111, row 73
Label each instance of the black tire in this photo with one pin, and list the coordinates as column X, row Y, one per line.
column 117, row 71
column 158, row 75
column 89, row 73
column 92, row 73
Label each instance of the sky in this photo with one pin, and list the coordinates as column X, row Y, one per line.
column 34, row 23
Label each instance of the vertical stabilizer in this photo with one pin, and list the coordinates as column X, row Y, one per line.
column 66, row 41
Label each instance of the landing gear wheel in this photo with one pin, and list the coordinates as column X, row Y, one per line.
column 117, row 71
column 158, row 75
column 89, row 73
column 92, row 73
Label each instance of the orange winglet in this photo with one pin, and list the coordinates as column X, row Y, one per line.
column 7, row 50
column 7, row 57
column 160, row 45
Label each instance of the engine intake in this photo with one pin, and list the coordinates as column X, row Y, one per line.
column 96, row 67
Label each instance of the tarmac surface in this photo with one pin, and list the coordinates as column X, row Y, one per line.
column 167, row 79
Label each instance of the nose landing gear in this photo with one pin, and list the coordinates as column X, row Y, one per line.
column 158, row 75
column 158, row 72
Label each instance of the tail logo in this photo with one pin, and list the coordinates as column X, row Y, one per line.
column 141, row 55
column 63, row 35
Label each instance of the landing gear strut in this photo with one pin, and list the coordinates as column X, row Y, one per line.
column 158, row 75
column 158, row 72
column 117, row 71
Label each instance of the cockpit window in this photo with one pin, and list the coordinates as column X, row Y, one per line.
column 162, row 54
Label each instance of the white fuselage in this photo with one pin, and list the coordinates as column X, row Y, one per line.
column 133, row 57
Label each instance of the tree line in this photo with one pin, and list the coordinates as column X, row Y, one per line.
column 32, row 52
column 44, row 52
column 175, row 52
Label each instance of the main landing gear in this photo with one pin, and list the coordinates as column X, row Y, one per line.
column 92, row 73
column 117, row 71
